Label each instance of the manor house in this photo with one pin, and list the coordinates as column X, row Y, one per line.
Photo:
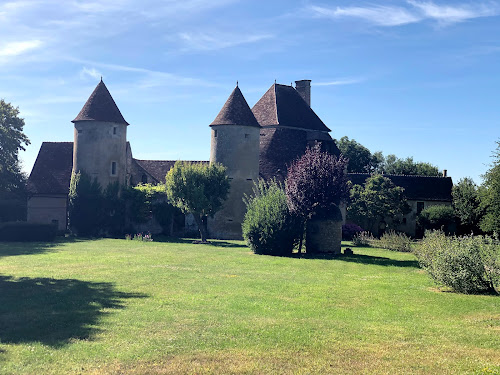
column 252, row 143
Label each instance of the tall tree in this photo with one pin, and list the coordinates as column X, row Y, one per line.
column 360, row 158
column 490, row 195
column 376, row 200
column 467, row 202
column 394, row 165
column 197, row 189
column 12, row 179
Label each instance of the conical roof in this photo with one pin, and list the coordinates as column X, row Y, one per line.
column 283, row 105
column 100, row 106
column 236, row 111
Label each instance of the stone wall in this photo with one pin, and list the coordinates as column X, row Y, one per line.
column 48, row 209
column 324, row 236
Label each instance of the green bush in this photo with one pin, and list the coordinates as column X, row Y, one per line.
column 439, row 217
column 269, row 227
column 394, row 241
column 363, row 239
column 22, row 231
column 469, row 264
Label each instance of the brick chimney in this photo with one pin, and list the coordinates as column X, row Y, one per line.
column 445, row 173
column 303, row 87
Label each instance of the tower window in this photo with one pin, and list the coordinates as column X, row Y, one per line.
column 247, row 135
column 215, row 133
column 113, row 168
column 115, row 129
column 80, row 131
column 144, row 179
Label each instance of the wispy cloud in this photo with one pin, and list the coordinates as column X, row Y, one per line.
column 92, row 73
column 18, row 48
column 416, row 11
column 215, row 41
column 339, row 82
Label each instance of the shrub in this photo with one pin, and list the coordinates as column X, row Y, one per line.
column 27, row 232
column 364, row 238
column 349, row 230
column 438, row 217
column 469, row 264
column 395, row 241
column 268, row 226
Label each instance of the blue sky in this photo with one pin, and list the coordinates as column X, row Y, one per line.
column 412, row 78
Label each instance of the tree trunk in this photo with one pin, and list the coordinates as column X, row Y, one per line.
column 201, row 227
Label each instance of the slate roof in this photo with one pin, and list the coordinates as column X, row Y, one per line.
column 100, row 106
column 51, row 173
column 283, row 105
column 236, row 111
column 416, row 187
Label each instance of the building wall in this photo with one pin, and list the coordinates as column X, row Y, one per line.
column 237, row 148
column 96, row 146
column 46, row 209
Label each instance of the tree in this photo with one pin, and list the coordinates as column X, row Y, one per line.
column 85, row 205
column 438, row 217
column 360, row 158
column 12, row 179
column 316, row 184
column 197, row 189
column 467, row 205
column 394, row 165
column 490, row 195
column 376, row 200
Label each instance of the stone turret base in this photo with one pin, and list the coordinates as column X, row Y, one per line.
column 323, row 236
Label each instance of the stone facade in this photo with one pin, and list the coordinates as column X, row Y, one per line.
column 50, row 209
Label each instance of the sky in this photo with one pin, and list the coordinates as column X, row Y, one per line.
column 412, row 78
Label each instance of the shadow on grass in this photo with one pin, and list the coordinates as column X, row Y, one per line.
column 54, row 312
column 211, row 242
column 29, row 248
column 379, row 261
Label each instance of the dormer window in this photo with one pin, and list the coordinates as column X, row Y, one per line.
column 113, row 168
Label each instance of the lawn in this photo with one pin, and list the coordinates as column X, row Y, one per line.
column 127, row 307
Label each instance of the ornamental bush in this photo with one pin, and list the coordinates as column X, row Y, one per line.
column 395, row 241
column 469, row 264
column 269, row 227
column 349, row 230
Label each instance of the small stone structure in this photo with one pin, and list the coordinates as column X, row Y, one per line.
column 324, row 235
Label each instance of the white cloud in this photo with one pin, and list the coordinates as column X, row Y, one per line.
column 18, row 48
column 92, row 73
column 208, row 42
column 419, row 11
column 339, row 82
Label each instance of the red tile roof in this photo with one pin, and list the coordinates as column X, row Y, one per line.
column 236, row 111
column 100, row 106
column 283, row 105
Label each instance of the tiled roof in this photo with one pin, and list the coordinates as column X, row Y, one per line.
column 51, row 173
column 236, row 111
column 283, row 105
column 158, row 169
column 100, row 106
column 416, row 187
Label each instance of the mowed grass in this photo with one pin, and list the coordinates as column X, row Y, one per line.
column 126, row 307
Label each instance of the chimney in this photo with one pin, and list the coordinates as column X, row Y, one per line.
column 445, row 173
column 303, row 87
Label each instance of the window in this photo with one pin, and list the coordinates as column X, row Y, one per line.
column 215, row 133
column 247, row 135
column 113, row 168
column 144, row 179
column 80, row 131
column 420, row 207
column 115, row 129
column 55, row 223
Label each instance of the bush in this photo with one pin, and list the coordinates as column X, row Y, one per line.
column 269, row 227
column 350, row 230
column 438, row 217
column 22, row 231
column 394, row 241
column 469, row 264
column 364, row 238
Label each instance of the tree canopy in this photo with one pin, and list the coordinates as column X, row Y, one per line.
column 407, row 166
column 361, row 160
column 376, row 200
column 467, row 205
column 197, row 189
column 490, row 195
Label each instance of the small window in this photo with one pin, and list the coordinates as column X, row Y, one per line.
column 80, row 131
column 215, row 133
column 249, row 179
column 247, row 135
column 113, row 168
column 420, row 207
column 144, row 179
column 115, row 129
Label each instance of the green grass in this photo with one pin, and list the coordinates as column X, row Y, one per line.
column 127, row 307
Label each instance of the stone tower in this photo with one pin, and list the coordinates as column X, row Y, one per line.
column 235, row 144
column 101, row 139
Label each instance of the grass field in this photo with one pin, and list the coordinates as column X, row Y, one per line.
column 127, row 307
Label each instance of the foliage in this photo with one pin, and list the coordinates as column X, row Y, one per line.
column 22, row 231
column 349, row 230
column 198, row 189
column 490, row 195
column 437, row 217
column 376, row 200
column 269, row 227
column 85, row 205
column 316, row 183
column 147, row 237
column 364, row 238
column 394, row 165
column 360, row 159
column 467, row 205
column 395, row 241
column 469, row 264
